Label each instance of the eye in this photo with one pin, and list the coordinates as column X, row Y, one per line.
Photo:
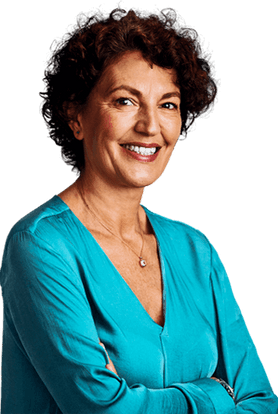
column 124, row 101
column 169, row 105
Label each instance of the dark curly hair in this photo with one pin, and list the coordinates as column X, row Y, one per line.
column 79, row 60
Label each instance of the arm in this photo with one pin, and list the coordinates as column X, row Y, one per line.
column 239, row 364
column 47, row 308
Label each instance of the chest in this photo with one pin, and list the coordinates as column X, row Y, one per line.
column 146, row 283
column 184, row 350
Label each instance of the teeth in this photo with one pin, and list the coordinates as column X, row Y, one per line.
column 141, row 150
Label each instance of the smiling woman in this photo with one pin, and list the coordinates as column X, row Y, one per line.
column 132, row 104
column 110, row 308
column 81, row 59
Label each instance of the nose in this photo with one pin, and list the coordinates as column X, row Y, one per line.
column 148, row 122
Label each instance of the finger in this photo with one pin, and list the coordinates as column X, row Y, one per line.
column 109, row 366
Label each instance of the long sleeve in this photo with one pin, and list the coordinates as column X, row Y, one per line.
column 61, row 294
column 49, row 317
column 210, row 310
column 48, row 320
column 239, row 364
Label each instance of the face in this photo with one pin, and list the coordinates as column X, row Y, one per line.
column 131, row 122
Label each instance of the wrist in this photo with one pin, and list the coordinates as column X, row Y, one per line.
column 227, row 387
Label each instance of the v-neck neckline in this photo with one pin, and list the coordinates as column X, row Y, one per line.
column 161, row 328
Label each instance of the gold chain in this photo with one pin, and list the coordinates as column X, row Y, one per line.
column 142, row 262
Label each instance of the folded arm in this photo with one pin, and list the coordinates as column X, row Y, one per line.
column 48, row 314
column 239, row 364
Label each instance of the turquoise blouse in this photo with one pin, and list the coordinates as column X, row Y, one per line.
column 62, row 294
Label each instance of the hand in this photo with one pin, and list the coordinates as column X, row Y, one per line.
column 109, row 366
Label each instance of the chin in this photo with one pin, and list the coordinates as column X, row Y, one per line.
column 143, row 182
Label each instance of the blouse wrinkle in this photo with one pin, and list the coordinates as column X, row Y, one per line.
column 62, row 295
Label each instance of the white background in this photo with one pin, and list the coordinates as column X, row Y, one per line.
column 222, row 179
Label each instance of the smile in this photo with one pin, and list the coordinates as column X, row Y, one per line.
column 141, row 150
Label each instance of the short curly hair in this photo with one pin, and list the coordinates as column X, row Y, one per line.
column 81, row 57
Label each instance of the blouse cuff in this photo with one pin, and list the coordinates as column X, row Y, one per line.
column 208, row 394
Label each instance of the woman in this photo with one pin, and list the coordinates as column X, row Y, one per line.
column 110, row 308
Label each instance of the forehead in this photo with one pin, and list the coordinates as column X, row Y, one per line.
column 132, row 69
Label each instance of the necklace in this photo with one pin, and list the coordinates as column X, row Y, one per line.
column 142, row 262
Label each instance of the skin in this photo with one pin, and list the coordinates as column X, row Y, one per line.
column 127, row 105
column 113, row 181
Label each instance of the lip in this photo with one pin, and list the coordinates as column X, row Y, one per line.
column 142, row 144
column 139, row 157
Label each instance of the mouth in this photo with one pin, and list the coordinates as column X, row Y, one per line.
column 146, row 150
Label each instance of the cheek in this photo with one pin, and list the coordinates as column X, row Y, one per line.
column 115, row 126
column 173, row 131
column 112, row 127
column 178, row 129
column 108, row 123
column 102, row 132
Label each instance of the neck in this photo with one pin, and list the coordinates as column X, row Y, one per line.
column 118, row 208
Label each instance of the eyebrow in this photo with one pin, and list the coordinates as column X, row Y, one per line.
column 139, row 94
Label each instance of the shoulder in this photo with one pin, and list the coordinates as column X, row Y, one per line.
column 188, row 253
column 177, row 230
column 191, row 245
column 46, row 225
column 190, row 250
column 184, row 243
column 39, row 237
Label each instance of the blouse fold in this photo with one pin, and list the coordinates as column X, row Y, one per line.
column 62, row 295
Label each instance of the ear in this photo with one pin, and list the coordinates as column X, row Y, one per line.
column 76, row 128
column 74, row 120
